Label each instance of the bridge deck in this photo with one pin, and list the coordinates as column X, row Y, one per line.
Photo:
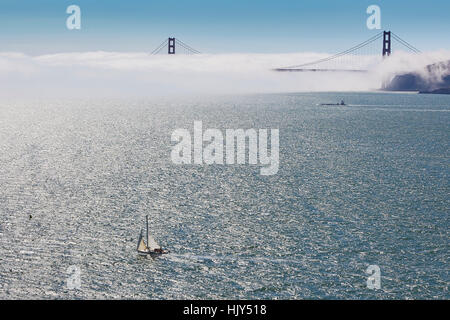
column 318, row 70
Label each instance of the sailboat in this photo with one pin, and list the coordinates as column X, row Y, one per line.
column 151, row 248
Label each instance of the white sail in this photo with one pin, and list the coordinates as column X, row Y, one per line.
column 152, row 244
column 141, row 244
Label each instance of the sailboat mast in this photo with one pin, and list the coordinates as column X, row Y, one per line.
column 147, row 229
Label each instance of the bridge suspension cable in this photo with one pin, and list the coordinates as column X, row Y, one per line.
column 158, row 48
column 406, row 44
column 187, row 47
column 362, row 44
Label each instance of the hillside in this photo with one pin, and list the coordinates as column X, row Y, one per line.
column 435, row 78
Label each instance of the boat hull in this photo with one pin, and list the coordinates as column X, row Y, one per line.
column 152, row 254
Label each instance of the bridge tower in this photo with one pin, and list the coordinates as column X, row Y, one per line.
column 386, row 53
column 171, row 46
column 386, row 43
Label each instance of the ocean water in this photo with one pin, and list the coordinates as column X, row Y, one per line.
column 358, row 185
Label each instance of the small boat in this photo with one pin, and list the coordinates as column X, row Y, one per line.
column 334, row 104
column 151, row 248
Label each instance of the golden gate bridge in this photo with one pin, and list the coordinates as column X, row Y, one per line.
column 362, row 55
column 171, row 44
column 354, row 59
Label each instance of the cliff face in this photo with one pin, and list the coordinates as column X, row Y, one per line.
column 435, row 77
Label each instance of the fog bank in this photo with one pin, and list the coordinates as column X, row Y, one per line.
column 114, row 74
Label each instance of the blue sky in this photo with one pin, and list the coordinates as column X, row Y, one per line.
column 217, row 26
